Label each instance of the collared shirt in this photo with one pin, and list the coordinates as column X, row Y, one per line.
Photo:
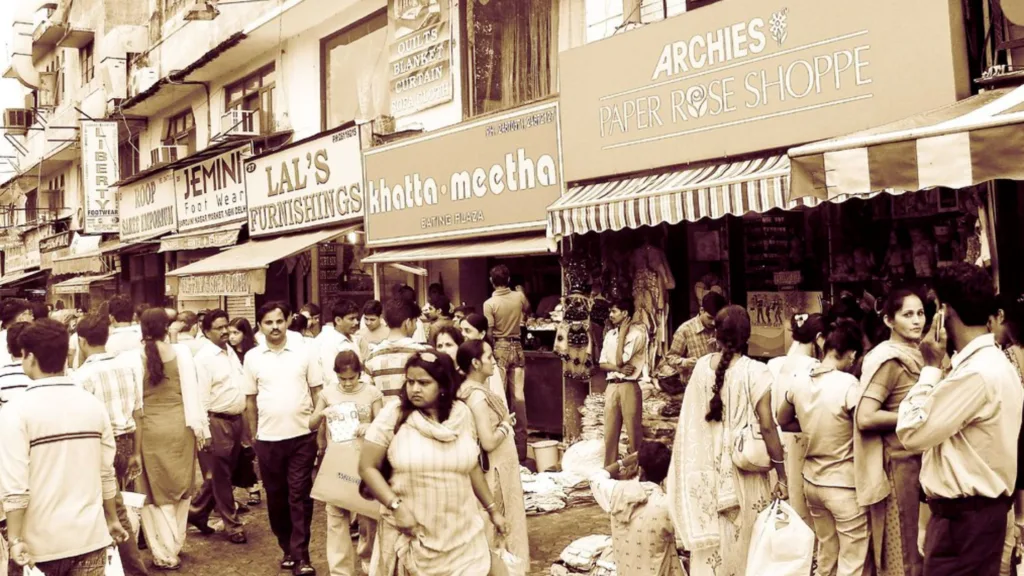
column 117, row 382
column 193, row 343
column 57, row 464
column 634, row 351
column 292, row 336
column 328, row 344
column 824, row 404
column 221, row 379
column 124, row 339
column 505, row 310
column 693, row 340
column 643, row 538
column 386, row 363
column 282, row 381
column 966, row 423
column 13, row 381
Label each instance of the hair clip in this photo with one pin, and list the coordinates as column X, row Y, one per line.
column 428, row 356
column 800, row 319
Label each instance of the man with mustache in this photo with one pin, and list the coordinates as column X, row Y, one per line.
column 282, row 380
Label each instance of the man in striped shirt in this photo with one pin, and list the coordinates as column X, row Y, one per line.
column 117, row 382
column 13, row 380
column 57, row 478
column 386, row 362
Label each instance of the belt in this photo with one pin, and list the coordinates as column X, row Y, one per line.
column 223, row 416
column 620, row 381
column 953, row 507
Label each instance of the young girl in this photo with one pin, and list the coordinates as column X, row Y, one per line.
column 368, row 401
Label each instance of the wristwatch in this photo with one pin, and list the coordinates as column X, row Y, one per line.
column 395, row 504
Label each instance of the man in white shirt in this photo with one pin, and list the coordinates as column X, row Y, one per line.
column 124, row 336
column 57, row 478
column 12, row 311
column 338, row 336
column 13, row 380
column 967, row 425
column 623, row 357
column 282, row 383
column 188, row 330
column 373, row 330
column 220, row 390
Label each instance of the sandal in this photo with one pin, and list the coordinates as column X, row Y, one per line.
column 238, row 538
column 254, row 498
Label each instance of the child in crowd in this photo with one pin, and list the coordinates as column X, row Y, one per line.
column 368, row 401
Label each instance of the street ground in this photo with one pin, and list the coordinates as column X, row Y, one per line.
column 215, row 556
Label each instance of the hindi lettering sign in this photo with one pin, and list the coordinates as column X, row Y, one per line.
column 490, row 176
column 226, row 284
column 147, row 207
column 54, row 247
column 743, row 76
column 420, row 74
column 212, row 192
column 311, row 184
column 100, row 170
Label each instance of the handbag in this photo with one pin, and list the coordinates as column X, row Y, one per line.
column 244, row 474
column 749, row 452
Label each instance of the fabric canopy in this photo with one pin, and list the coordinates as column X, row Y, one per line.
column 21, row 277
column 520, row 246
column 259, row 254
column 971, row 141
column 80, row 285
column 711, row 191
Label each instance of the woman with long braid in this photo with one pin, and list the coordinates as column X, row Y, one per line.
column 713, row 502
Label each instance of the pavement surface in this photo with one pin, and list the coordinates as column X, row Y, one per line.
column 215, row 556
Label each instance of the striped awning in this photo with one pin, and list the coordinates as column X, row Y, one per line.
column 711, row 191
column 974, row 140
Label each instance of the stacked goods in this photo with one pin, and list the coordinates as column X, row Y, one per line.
column 660, row 416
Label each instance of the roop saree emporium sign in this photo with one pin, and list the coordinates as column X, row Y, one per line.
column 745, row 76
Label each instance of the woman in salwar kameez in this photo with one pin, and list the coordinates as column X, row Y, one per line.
column 713, row 503
column 888, row 475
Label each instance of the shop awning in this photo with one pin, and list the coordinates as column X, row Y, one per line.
column 710, row 191
column 19, row 278
column 521, row 246
column 80, row 285
column 219, row 237
column 977, row 139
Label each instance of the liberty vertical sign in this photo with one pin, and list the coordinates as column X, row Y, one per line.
column 99, row 171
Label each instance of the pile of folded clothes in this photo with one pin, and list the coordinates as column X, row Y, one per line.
column 660, row 416
column 552, row 491
column 584, row 555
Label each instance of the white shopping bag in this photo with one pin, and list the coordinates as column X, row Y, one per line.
column 114, row 567
column 781, row 545
column 133, row 503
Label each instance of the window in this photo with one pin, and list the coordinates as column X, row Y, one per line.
column 55, row 194
column 57, row 67
column 605, row 17
column 128, row 157
column 355, row 72
column 656, row 10
column 181, row 131
column 512, row 52
column 254, row 93
column 31, row 206
column 87, row 62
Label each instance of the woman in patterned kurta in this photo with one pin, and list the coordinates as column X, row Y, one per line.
column 713, row 503
column 430, row 524
column 495, row 430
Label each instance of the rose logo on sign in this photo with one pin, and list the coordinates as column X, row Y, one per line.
column 697, row 101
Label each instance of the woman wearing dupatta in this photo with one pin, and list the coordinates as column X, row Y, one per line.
column 713, row 503
column 888, row 476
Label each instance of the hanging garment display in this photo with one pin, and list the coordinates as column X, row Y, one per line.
column 572, row 339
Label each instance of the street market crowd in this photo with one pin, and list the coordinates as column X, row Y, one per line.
column 890, row 431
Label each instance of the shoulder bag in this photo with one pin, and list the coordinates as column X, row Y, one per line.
column 749, row 452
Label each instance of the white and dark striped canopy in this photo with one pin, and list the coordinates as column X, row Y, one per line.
column 712, row 191
column 977, row 139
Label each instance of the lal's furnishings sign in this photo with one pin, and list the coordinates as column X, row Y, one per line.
column 212, row 192
column 491, row 176
column 744, row 76
column 310, row 184
column 147, row 207
column 420, row 54
column 99, row 171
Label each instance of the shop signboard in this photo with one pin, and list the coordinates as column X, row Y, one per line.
column 491, row 176
column 54, row 247
column 744, row 76
column 225, row 284
column 15, row 258
column 420, row 54
column 212, row 192
column 311, row 184
column 770, row 314
column 147, row 207
column 99, row 171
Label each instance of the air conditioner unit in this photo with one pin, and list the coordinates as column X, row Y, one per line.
column 18, row 120
column 141, row 80
column 47, row 90
column 114, row 77
column 167, row 154
column 240, row 123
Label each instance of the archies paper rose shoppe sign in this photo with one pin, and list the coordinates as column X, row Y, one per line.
column 744, row 76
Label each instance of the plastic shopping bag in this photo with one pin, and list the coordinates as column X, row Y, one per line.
column 781, row 545
column 504, row 563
